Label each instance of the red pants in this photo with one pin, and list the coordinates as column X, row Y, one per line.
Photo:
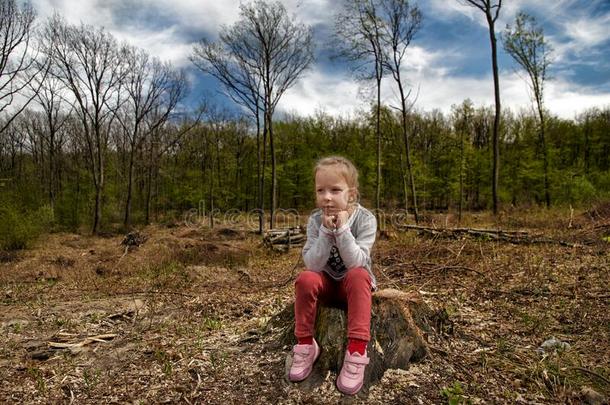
column 354, row 290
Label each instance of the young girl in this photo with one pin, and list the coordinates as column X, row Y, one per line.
column 340, row 234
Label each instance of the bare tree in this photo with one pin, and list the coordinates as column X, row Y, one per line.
column 401, row 21
column 51, row 97
column 87, row 61
column 17, row 61
column 242, row 83
column 276, row 49
column 358, row 29
column 491, row 9
column 526, row 44
column 152, row 91
column 285, row 49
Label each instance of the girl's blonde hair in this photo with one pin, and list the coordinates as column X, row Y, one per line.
column 346, row 169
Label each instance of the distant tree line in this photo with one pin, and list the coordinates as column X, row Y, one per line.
column 93, row 133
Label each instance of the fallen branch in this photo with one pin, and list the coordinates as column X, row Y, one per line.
column 586, row 370
column 74, row 347
column 515, row 237
column 542, row 293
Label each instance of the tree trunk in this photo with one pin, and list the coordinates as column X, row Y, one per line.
column 127, row 217
column 273, row 171
column 259, row 172
column 462, row 164
column 545, row 161
column 398, row 324
column 404, row 183
column 218, row 170
column 97, row 166
column 378, row 135
column 98, row 210
column 149, row 185
column 405, row 135
column 496, row 128
column 52, row 172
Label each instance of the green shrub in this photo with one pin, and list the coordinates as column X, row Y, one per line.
column 455, row 395
column 18, row 229
column 575, row 190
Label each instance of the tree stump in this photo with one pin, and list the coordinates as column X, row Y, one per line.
column 398, row 323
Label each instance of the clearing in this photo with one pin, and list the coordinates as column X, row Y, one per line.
column 183, row 317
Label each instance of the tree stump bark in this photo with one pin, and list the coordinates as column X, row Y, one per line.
column 398, row 324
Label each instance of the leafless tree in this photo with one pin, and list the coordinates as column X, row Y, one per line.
column 401, row 21
column 152, row 91
column 276, row 49
column 51, row 98
column 525, row 43
column 285, row 50
column 17, row 59
column 87, row 61
column 358, row 29
column 242, row 84
column 491, row 9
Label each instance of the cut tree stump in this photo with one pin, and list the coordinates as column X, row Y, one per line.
column 398, row 324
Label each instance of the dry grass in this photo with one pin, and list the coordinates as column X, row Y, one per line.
column 187, row 311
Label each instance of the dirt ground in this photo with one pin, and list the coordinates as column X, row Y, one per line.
column 183, row 318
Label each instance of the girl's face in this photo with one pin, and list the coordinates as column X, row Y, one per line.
column 332, row 192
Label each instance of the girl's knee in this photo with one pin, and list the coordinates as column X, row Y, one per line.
column 308, row 279
column 358, row 275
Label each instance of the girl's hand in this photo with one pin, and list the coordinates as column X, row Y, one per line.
column 329, row 221
column 342, row 217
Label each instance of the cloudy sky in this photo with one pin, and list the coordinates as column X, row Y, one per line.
column 449, row 59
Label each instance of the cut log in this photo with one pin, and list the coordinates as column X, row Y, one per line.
column 284, row 239
column 399, row 323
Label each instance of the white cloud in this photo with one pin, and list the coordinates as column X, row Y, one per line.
column 449, row 9
column 86, row 11
column 567, row 100
column 546, row 11
column 317, row 91
column 432, row 72
column 589, row 31
column 164, row 44
column 436, row 90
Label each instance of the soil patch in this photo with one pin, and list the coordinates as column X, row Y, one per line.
column 185, row 318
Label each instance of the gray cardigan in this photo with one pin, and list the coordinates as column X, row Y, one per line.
column 336, row 251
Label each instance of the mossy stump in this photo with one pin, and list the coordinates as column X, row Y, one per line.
column 398, row 324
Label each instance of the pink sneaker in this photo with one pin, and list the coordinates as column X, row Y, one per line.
column 351, row 376
column 303, row 357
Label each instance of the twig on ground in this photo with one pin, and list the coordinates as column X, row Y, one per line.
column 292, row 273
column 79, row 345
column 586, row 370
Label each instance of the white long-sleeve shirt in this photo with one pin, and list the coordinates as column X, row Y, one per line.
column 337, row 251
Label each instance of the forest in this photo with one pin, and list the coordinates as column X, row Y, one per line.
column 131, row 221
column 80, row 156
